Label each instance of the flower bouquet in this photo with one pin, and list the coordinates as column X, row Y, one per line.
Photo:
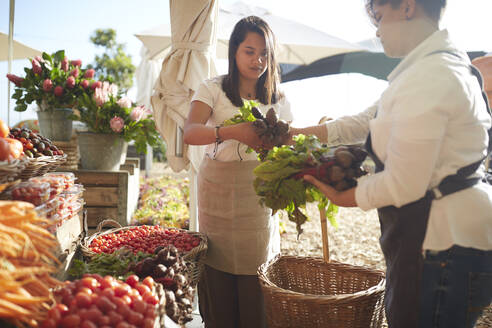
column 105, row 112
column 55, row 84
column 52, row 82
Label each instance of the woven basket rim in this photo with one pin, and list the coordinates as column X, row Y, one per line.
column 84, row 245
column 267, row 283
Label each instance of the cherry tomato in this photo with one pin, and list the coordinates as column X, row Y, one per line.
column 149, row 282
column 132, row 280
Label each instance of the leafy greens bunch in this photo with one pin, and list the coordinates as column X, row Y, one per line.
column 279, row 187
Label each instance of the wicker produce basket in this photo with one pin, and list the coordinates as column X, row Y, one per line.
column 41, row 165
column 308, row 292
column 9, row 171
column 194, row 257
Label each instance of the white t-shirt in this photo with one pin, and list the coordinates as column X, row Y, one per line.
column 431, row 121
column 210, row 92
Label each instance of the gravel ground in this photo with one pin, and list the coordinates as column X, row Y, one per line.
column 355, row 241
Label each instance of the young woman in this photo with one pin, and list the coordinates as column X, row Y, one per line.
column 241, row 234
column 428, row 135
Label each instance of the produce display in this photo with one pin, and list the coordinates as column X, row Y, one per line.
column 34, row 144
column 96, row 301
column 143, row 239
column 26, row 264
column 57, row 185
column 164, row 266
column 67, row 177
column 35, row 193
column 169, row 269
column 10, row 149
column 163, row 201
column 279, row 177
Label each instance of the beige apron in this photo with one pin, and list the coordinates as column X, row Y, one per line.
column 241, row 233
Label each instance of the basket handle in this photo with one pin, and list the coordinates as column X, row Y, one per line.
column 324, row 234
column 109, row 222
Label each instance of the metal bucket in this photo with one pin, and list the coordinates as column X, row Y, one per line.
column 102, row 152
column 55, row 125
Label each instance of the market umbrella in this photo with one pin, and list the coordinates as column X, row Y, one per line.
column 187, row 64
column 375, row 64
column 20, row 50
column 298, row 43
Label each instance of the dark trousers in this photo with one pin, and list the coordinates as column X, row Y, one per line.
column 230, row 301
column 456, row 287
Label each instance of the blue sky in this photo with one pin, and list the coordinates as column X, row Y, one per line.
column 50, row 25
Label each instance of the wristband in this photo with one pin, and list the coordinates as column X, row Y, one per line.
column 217, row 138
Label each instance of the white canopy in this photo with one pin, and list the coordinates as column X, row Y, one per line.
column 20, row 50
column 299, row 43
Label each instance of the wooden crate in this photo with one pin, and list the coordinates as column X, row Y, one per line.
column 111, row 194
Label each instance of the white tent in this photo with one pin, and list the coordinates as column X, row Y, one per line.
column 20, row 50
column 299, row 43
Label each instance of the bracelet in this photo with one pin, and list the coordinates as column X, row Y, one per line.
column 217, row 138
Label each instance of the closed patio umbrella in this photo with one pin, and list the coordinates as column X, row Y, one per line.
column 189, row 61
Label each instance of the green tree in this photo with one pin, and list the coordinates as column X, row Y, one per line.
column 114, row 65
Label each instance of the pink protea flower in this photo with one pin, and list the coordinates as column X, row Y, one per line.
column 139, row 113
column 58, row 91
column 15, row 79
column 64, row 64
column 85, row 84
column 101, row 96
column 124, row 102
column 117, row 124
column 96, row 84
column 89, row 74
column 70, row 82
column 36, row 67
column 47, row 85
column 76, row 62
column 75, row 72
column 39, row 59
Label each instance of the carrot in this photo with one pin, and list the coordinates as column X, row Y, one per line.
column 14, row 309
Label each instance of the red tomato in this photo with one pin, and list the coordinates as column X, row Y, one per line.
column 70, row 321
column 105, row 305
column 123, row 310
column 139, row 306
column 90, row 283
column 114, row 318
column 83, row 300
column 48, row 323
column 135, row 318
column 104, row 321
column 149, row 282
column 122, row 289
column 93, row 314
column 142, row 289
column 132, row 280
column 88, row 324
column 150, row 298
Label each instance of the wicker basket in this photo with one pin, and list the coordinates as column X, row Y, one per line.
column 194, row 257
column 9, row 171
column 41, row 165
column 308, row 292
column 71, row 149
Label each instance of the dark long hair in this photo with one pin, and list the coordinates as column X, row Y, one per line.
column 433, row 8
column 267, row 85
